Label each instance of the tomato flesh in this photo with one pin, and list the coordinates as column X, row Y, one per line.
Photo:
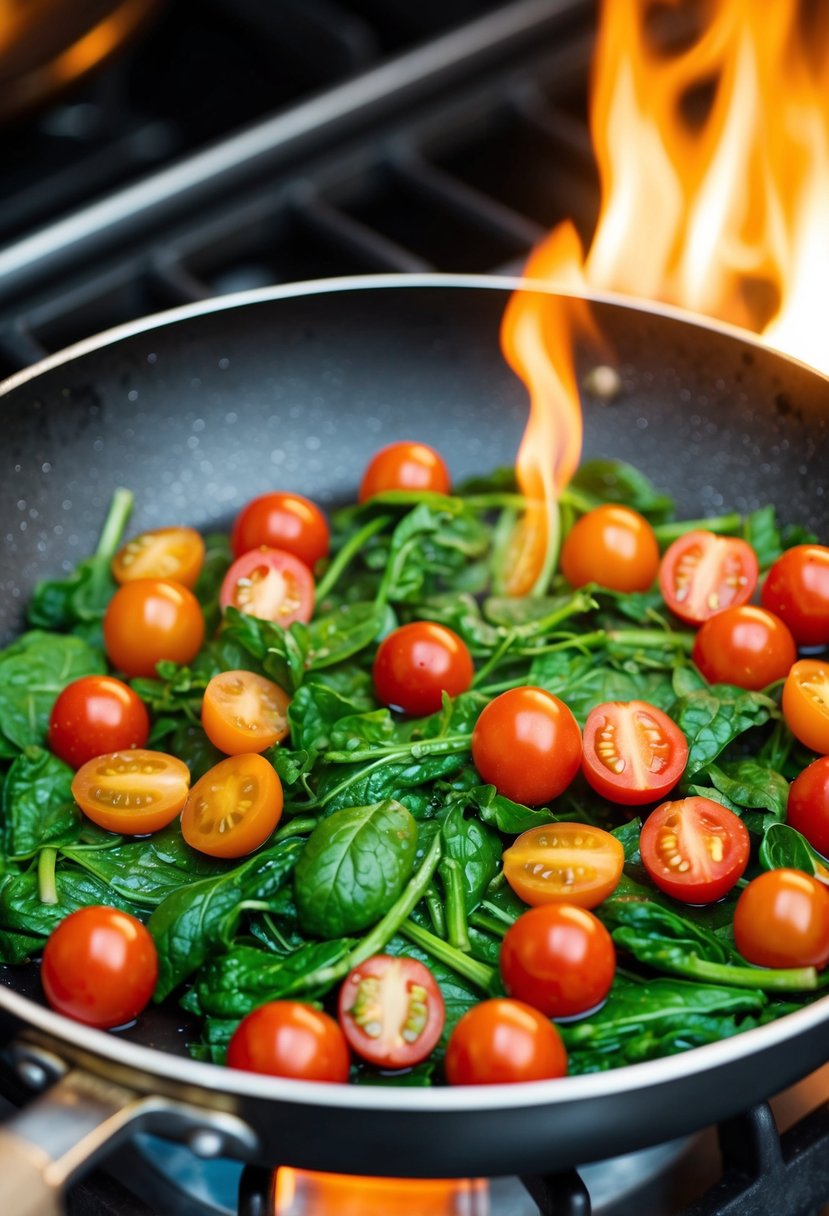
column 501, row 1042
column 573, row 863
column 702, row 573
column 169, row 553
column 612, row 546
column 797, row 590
column 558, row 958
column 391, row 1011
column 782, row 920
column 633, row 752
column 417, row 663
column 243, row 712
column 95, row 715
column 694, row 849
column 233, row 808
column 806, row 703
column 289, row 1039
column 527, row 744
column 132, row 792
column 271, row 585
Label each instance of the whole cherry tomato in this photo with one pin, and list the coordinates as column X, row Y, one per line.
column 171, row 553
column 233, row 808
column 289, row 1039
column 694, row 849
column 94, row 715
column 405, row 466
column 243, row 712
column 806, row 703
column 527, row 744
column 782, row 920
column 633, row 752
column 558, row 958
column 502, row 1041
column 746, row 646
column 417, row 663
column 132, row 792
column 702, row 573
column 807, row 810
column 612, row 546
column 572, row 863
column 282, row 521
column 391, row 1011
column 149, row 620
column 797, row 590
column 269, row 584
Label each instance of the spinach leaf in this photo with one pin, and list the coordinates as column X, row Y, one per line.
column 217, row 559
column 711, row 718
column 38, row 807
column 23, row 911
column 314, row 712
column 784, row 848
column 82, row 596
column 234, row 983
column 502, row 813
column 476, row 849
column 599, row 481
column 33, row 671
column 753, row 789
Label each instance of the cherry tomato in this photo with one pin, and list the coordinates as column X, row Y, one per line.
column 96, row 714
column 746, row 646
column 417, row 663
column 99, row 967
column 807, row 810
column 702, row 573
column 149, row 620
column 633, row 752
column 405, row 466
column 133, row 792
column 391, row 1011
column 233, row 808
column 271, row 585
column 782, row 920
column 171, row 553
column 571, row 863
column 560, row 959
column 289, row 1039
column 243, row 712
column 797, row 590
column 694, row 849
column 527, row 744
column 806, row 703
column 501, row 1041
column 612, row 546
column 282, row 521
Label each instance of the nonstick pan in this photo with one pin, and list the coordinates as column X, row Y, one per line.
column 198, row 410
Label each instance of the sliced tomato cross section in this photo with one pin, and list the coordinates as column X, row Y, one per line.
column 391, row 1011
column 694, row 849
column 633, row 752
column 271, row 585
column 132, row 792
column 564, row 863
column 806, row 703
column 702, row 573
column 233, row 808
column 243, row 712
column 174, row 553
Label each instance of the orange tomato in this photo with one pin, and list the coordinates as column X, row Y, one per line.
column 132, row 792
column 612, row 546
column 233, row 808
column 243, row 712
column 174, row 553
column 806, row 703
column 572, row 863
column 149, row 620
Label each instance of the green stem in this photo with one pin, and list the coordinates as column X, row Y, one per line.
column 348, row 552
column 296, row 827
column 494, row 659
column 112, row 532
column 788, row 979
column 479, row 974
column 498, row 913
column 443, row 745
column 435, row 908
column 489, row 924
column 457, row 930
column 498, row 498
column 644, row 638
column 47, row 887
column 667, row 533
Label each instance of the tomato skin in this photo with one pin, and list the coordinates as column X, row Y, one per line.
column 152, row 619
column 99, row 967
column 712, row 842
column 405, row 466
column 782, row 920
column 243, row 712
column 502, row 1041
column 797, row 590
column 702, row 573
column 94, row 715
column 417, row 663
column 806, row 703
column 807, row 809
column 612, row 546
column 633, row 752
column 175, row 554
column 214, row 820
column 400, row 988
column 289, row 1039
column 746, row 646
column 558, row 958
column 132, row 792
column 271, row 585
column 282, row 521
column 573, row 863
column 527, row 744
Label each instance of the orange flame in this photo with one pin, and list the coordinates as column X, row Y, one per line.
column 307, row 1193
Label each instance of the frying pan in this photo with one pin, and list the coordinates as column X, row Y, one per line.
column 197, row 411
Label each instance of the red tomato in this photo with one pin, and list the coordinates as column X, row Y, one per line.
column 405, row 466
column 271, row 585
column 417, row 663
column 702, row 573
column 502, row 1041
column 282, row 521
column 99, row 967
column 289, row 1039
column 243, row 712
column 806, row 703
column 172, row 553
column 527, row 744
column 695, row 849
column 391, row 1011
column 612, row 546
column 746, row 646
column 96, row 714
column 149, row 620
column 233, row 808
column 797, row 590
column 807, row 810
column 560, row 959
column 782, row 920
column 571, row 863
column 133, row 792
column 633, row 752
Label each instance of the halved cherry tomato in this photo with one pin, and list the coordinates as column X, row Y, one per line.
column 391, row 1011
column 782, row 920
column 572, row 863
column 243, row 712
column 417, row 663
column 694, row 849
column 807, row 809
column 746, row 646
column 133, row 792
column 502, row 1041
column 405, row 466
column 289, row 1039
column 94, row 715
column 282, row 521
column 269, row 584
column 612, row 546
column 702, row 573
column 797, row 590
column 99, row 967
column 173, row 553
column 233, row 808
column 527, row 744
column 149, row 620
column 806, row 703
column 633, row 752
column 560, row 959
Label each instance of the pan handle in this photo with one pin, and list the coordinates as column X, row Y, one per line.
column 80, row 1118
